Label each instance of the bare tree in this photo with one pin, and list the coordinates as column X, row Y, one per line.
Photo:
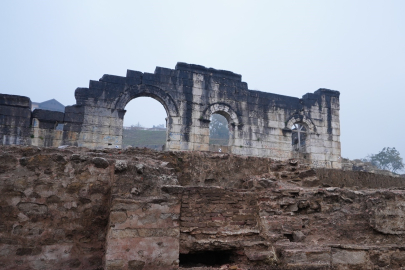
column 387, row 159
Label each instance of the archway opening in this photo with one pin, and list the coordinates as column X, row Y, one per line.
column 144, row 124
column 299, row 137
column 219, row 133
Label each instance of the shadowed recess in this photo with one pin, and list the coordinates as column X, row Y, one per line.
column 206, row 258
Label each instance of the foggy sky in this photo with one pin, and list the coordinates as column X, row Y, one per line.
column 49, row 48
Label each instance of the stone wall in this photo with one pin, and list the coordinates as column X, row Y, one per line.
column 141, row 209
column 209, row 212
column 219, row 148
column 363, row 166
column 260, row 123
column 44, row 128
column 294, row 228
column 53, row 209
column 15, row 120
column 360, row 179
column 20, row 126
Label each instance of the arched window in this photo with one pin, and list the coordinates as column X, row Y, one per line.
column 219, row 130
column 299, row 136
column 144, row 124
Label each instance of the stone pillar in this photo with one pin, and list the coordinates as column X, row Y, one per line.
column 143, row 234
column 324, row 146
column 44, row 128
column 101, row 128
column 15, row 117
column 173, row 134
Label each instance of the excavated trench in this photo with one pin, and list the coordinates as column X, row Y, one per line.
column 140, row 209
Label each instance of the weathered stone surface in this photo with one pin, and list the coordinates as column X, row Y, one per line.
column 7, row 162
column 298, row 236
column 307, row 258
column 118, row 217
column 33, row 209
column 360, row 179
column 352, row 257
column 388, row 214
column 115, row 265
column 136, row 265
column 100, row 162
column 397, row 259
column 60, row 211
column 121, row 165
column 28, row 251
column 52, row 199
column 14, row 100
column 261, row 124
column 139, row 168
column 50, row 218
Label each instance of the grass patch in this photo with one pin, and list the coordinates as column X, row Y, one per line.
column 143, row 138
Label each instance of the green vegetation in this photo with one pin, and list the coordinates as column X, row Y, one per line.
column 387, row 159
column 142, row 138
column 136, row 136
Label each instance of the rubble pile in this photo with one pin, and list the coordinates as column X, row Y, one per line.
column 363, row 166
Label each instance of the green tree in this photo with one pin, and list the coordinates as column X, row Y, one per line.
column 219, row 132
column 387, row 159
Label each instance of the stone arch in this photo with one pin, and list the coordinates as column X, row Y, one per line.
column 299, row 118
column 234, row 121
column 223, row 109
column 147, row 91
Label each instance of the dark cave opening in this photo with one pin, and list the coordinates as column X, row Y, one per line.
column 207, row 258
column 289, row 237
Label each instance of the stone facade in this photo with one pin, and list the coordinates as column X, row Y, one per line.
column 260, row 124
column 140, row 209
column 15, row 120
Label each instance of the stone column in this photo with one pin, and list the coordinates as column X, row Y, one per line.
column 143, row 234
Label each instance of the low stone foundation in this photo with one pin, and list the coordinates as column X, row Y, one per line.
column 136, row 209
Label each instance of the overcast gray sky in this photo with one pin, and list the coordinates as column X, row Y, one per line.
column 48, row 48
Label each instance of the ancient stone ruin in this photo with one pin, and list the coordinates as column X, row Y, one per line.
column 277, row 200
column 261, row 124
column 140, row 209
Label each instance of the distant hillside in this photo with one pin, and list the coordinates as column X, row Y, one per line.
column 138, row 136
column 219, row 141
column 144, row 138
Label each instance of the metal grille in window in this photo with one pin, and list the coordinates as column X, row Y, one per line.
column 299, row 136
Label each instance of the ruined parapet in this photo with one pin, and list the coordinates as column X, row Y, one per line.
column 96, row 120
column 73, row 122
column 359, row 179
column 260, row 124
column 47, row 128
column 15, row 120
column 364, row 166
column 322, row 113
